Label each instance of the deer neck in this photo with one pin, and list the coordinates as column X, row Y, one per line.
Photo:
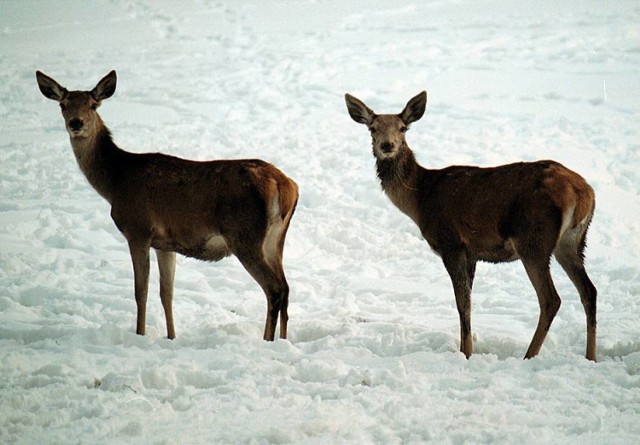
column 399, row 180
column 95, row 157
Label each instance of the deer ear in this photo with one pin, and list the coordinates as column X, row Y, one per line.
column 358, row 111
column 106, row 87
column 414, row 109
column 49, row 87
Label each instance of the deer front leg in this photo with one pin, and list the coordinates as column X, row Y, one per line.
column 461, row 271
column 140, row 259
column 167, row 268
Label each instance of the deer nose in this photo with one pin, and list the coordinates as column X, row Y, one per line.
column 76, row 124
column 386, row 147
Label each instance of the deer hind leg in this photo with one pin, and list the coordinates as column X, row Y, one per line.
column 275, row 287
column 272, row 251
column 540, row 276
column 140, row 258
column 569, row 254
column 461, row 271
column 282, row 289
column 276, row 264
column 284, row 303
column 167, row 268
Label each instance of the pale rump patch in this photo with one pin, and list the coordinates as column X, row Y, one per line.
column 574, row 232
column 569, row 191
column 271, row 243
column 281, row 197
column 567, row 220
column 274, row 210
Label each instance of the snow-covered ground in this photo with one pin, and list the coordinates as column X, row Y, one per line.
column 372, row 352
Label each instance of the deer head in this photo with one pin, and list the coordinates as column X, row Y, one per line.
column 387, row 130
column 78, row 107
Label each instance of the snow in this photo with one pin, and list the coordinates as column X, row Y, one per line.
column 372, row 355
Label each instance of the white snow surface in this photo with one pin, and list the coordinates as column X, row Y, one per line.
column 372, row 355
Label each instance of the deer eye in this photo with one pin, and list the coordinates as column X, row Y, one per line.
column 94, row 106
column 63, row 107
column 372, row 130
column 403, row 129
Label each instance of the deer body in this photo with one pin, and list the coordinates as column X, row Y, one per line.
column 205, row 210
column 527, row 211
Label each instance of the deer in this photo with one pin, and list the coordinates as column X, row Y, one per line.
column 206, row 210
column 527, row 211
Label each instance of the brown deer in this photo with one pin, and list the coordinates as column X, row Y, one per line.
column 204, row 210
column 526, row 211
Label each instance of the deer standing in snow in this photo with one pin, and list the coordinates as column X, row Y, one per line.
column 204, row 210
column 527, row 211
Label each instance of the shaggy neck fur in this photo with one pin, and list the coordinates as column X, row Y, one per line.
column 97, row 158
column 399, row 171
column 398, row 178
